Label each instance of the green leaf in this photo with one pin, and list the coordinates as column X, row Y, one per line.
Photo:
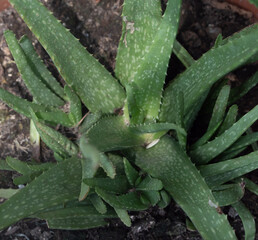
column 230, row 119
column 218, row 173
column 55, row 140
column 7, row 193
column 149, row 184
column 130, row 172
column 63, row 181
column 97, row 202
column 182, row 54
column 228, row 194
column 84, row 74
column 240, row 91
column 41, row 93
column 201, row 75
column 75, row 114
column 5, row 166
column 210, row 150
column 251, row 186
column 107, row 165
column 165, row 199
column 141, row 21
column 129, row 201
column 20, row 105
column 240, row 145
column 152, row 196
column 19, row 166
column 74, row 211
column 117, row 161
column 150, row 75
column 123, row 215
column 169, row 163
column 76, row 223
column 205, row 138
column 117, row 185
column 89, row 121
column 247, row 219
column 112, row 133
column 255, row 2
column 39, row 68
column 220, row 107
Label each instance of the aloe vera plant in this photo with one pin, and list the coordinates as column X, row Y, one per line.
column 133, row 151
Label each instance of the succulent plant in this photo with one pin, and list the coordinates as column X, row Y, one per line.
column 133, row 151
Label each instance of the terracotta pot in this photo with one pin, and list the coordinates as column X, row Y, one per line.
column 4, row 4
column 245, row 4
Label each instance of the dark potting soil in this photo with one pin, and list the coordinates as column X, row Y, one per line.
column 97, row 24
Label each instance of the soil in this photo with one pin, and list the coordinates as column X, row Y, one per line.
column 98, row 26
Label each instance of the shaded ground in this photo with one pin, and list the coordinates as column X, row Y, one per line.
column 98, row 25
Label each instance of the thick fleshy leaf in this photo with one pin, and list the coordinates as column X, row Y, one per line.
column 150, row 76
column 5, row 166
column 218, row 173
column 141, row 20
column 95, row 86
column 117, row 185
column 169, row 163
column 76, row 223
column 40, row 68
column 210, row 150
column 41, row 93
column 229, row 120
column 247, row 219
column 63, row 185
column 7, row 193
column 240, row 91
column 149, row 184
column 219, row 107
column 242, row 143
column 130, row 172
column 55, row 140
column 205, row 138
column 129, row 201
column 182, row 54
column 123, row 215
column 228, row 194
column 98, row 203
column 75, row 113
column 112, row 133
column 200, row 76
column 165, row 199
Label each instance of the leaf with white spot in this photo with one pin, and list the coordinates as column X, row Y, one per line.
column 141, row 20
column 150, row 76
column 39, row 68
column 229, row 120
column 116, row 185
column 55, row 140
column 218, row 173
column 241, row 144
column 129, row 201
column 219, row 107
column 228, row 194
column 244, row 88
column 63, row 185
column 123, row 215
column 167, row 162
column 130, row 172
column 76, row 223
column 247, row 219
column 201, row 75
column 7, row 193
column 210, row 150
column 98, row 90
column 41, row 93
